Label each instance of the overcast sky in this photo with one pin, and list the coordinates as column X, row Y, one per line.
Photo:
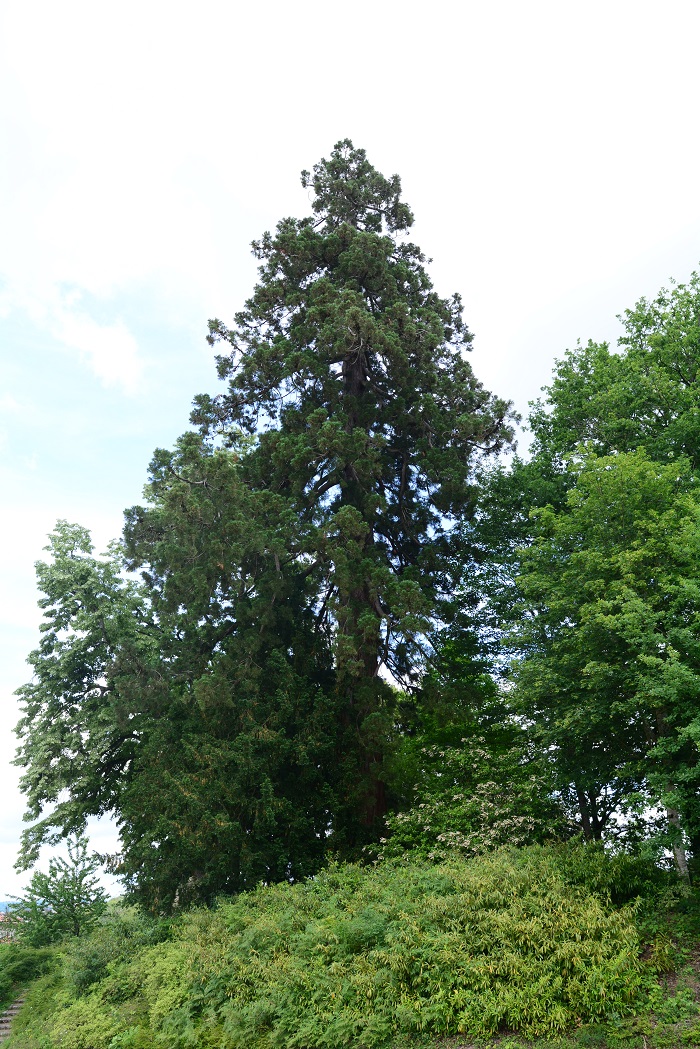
column 549, row 151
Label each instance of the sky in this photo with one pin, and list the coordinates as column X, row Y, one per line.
column 549, row 152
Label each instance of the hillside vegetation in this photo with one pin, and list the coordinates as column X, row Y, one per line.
column 401, row 736
column 536, row 941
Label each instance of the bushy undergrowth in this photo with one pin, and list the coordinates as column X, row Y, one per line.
column 360, row 957
column 114, row 942
column 18, row 966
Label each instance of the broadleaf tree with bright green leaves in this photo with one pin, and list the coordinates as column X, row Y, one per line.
column 609, row 636
column 68, row 901
column 640, row 399
column 646, row 394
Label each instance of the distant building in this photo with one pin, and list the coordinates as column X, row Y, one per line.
column 8, row 926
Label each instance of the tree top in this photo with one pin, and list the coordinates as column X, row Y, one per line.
column 349, row 189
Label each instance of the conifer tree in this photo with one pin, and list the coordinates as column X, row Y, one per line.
column 294, row 554
column 352, row 373
column 68, row 901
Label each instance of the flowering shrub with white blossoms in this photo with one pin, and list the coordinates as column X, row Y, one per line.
column 471, row 799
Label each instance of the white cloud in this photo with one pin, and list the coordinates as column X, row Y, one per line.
column 150, row 145
column 111, row 350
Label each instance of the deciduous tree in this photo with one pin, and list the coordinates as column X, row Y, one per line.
column 68, row 901
column 609, row 636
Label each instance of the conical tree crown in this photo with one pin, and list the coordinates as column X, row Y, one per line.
column 352, row 373
column 305, row 540
column 348, row 189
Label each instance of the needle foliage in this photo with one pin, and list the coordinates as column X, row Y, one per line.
column 227, row 706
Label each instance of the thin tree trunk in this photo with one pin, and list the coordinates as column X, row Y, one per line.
column 695, row 853
column 583, row 809
column 596, row 825
column 679, row 855
column 674, row 820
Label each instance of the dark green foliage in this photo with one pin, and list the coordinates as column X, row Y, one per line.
column 618, row 876
column 466, row 772
column 228, row 708
column 243, row 763
column 474, row 797
column 369, row 422
column 371, row 414
column 333, row 518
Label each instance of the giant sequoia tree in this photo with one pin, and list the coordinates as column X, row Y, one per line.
column 303, row 540
column 351, row 371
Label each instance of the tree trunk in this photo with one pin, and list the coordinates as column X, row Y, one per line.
column 679, row 855
column 590, row 821
column 583, row 809
column 596, row 825
column 357, row 602
column 674, row 820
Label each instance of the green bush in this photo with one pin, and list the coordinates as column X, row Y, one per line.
column 19, row 966
column 620, row 877
column 366, row 958
column 85, row 1024
column 357, row 956
column 119, row 934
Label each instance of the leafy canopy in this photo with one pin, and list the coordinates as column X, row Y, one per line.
column 68, row 901
column 592, row 563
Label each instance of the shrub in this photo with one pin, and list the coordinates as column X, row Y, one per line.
column 18, row 966
column 118, row 936
column 473, row 798
column 619, row 876
column 356, row 956
column 85, row 1024
column 366, row 957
